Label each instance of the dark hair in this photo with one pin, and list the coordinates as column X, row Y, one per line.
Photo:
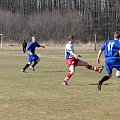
column 71, row 37
column 117, row 35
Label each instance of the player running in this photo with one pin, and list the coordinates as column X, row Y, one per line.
column 73, row 61
column 111, row 53
column 32, row 57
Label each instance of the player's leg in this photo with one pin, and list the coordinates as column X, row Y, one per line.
column 117, row 66
column 109, row 65
column 26, row 66
column 36, row 59
column 90, row 67
column 69, row 74
column 36, row 62
column 107, row 76
column 24, row 50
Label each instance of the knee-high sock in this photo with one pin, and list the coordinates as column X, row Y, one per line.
column 34, row 63
column 68, row 77
column 105, row 78
column 90, row 67
column 26, row 66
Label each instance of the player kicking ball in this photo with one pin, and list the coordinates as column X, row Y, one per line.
column 32, row 57
column 73, row 61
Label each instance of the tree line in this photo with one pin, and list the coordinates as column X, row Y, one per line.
column 56, row 19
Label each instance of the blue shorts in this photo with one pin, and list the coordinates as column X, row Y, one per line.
column 33, row 57
column 111, row 63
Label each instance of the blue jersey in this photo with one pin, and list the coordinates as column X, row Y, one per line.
column 31, row 47
column 111, row 54
column 111, row 48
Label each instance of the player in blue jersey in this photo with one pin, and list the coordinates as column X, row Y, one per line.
column 112, row 60
column 73, row 61
column 32, row 57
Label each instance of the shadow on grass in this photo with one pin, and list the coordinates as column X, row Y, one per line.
column 102, row 84
column 92, row 84
column 24, row 72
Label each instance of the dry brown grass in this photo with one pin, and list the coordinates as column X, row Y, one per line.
column 52, row 45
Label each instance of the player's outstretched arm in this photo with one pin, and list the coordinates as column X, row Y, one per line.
column 99, row 55
column 119, row 52
column 43, row 46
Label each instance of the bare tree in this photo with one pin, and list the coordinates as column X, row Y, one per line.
column 58, row 18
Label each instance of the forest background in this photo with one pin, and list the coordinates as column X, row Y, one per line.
column 56, row 19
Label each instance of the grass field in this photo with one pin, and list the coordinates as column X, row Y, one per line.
column 39, row 95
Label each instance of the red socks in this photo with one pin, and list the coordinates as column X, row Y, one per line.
column 96, row 68
column 90, row 67
column 67, row 77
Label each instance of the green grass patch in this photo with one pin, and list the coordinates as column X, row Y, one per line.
column 40, row 95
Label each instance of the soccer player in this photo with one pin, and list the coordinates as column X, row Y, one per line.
column 111, row 53
column 118, row 72
column 24, row 45
column 73, row 61
column 31, row 54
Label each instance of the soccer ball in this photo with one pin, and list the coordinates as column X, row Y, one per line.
column 118, row 74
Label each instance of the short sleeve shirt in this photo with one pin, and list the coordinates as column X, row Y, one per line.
column 69, row 47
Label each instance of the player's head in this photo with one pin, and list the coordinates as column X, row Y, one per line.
column 117, row 35
column 71, row 38
column 33, row 39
